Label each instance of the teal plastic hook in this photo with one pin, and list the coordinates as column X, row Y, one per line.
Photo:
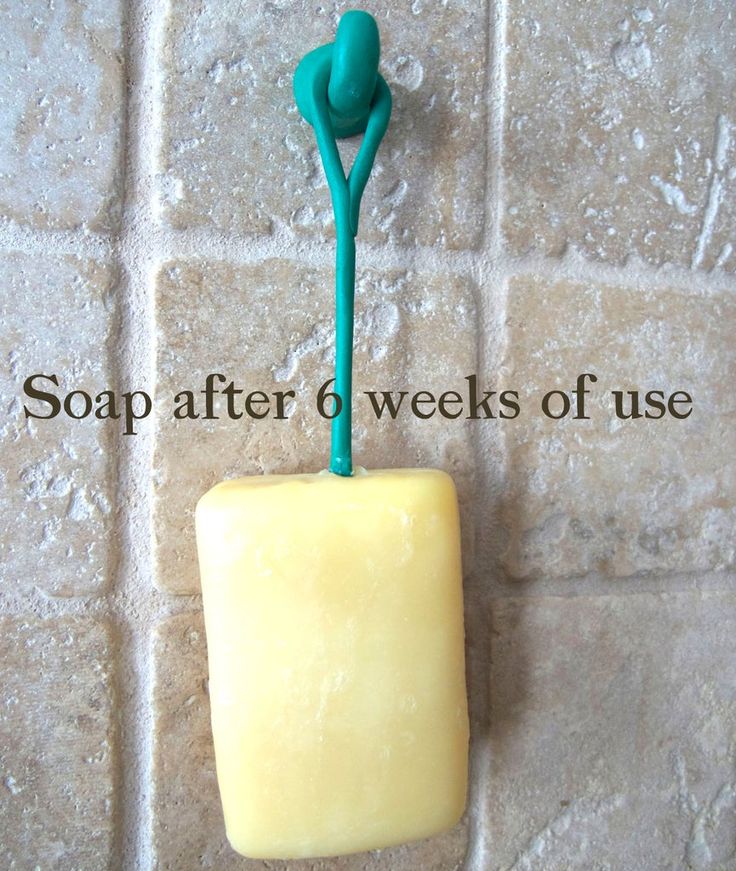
column 351, row 63
column 340, row 92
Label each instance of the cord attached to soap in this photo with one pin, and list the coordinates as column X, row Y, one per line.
column 340, row 92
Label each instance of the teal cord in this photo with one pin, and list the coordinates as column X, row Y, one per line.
column 314, row 77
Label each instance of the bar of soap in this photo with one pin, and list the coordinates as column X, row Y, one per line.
column 334, row 621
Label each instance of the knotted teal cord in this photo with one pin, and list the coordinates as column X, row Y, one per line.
column 346, row 69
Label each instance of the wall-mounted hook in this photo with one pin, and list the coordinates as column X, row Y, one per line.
column 351, row 64
column 340, row 92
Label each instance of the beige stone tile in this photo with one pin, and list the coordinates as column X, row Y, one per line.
column 57, row 317
column 620, row 497
column 613, row 725
column 238, row 157
column 188, row 827
column 57, row 744
column 620, row 130
column 61, row 110
column 270, row 327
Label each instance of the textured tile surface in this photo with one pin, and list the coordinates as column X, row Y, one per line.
column 57, row 748
column 610, row 495
column 270, row 327
column 613, row 725
column 237, row 155
column 620, row 130
column 188, row 828
column 61, row 111
column 612, row 729
column 57, row 318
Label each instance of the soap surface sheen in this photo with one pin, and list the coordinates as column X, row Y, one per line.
column 334, row 619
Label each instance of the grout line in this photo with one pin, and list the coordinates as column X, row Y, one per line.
column 496, row 104
column 597, row 584
column 634, row 274
column 207, row 243
column 478, row 761
column 121, row 607
column 490, row 282
column 17, row 237
column 136, row 603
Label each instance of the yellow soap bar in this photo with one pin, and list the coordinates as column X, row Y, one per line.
column 334, row 620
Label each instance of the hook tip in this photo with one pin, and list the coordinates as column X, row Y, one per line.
column 354, row 65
